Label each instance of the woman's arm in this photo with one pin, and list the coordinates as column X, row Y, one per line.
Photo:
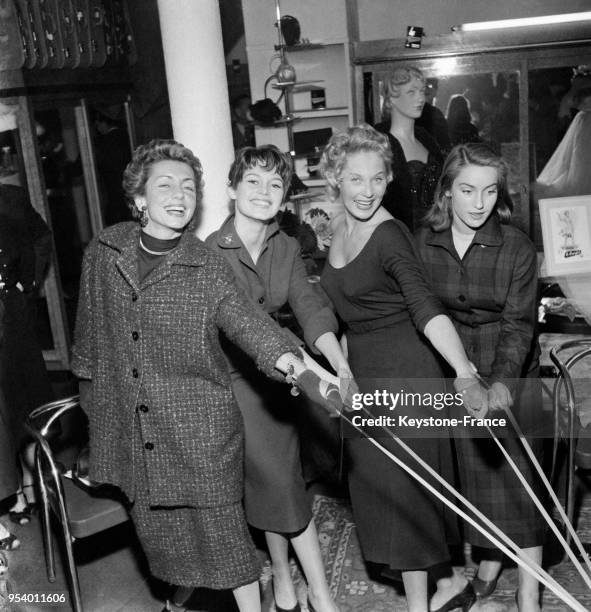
column 443, row 336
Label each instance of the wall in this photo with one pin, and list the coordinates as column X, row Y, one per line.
column 388, row 18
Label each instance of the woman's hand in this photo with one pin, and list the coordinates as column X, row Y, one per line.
column 499, row 397
column 312, row 364
column 474, row 395
column 347, row 387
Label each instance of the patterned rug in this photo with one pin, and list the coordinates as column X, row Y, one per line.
column 355, row 591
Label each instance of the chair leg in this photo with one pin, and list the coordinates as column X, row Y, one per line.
column 45, row 521
column 68, row 545
column 570, row 474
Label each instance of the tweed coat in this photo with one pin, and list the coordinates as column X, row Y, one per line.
column 152, row 353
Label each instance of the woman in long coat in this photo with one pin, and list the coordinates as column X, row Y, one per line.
column 164, row 426
column 485, row 273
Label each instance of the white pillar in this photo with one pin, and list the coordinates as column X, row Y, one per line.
column 198, row 94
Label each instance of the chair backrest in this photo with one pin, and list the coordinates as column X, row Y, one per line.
column 85, row 510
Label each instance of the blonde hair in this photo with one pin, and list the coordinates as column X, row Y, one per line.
column 396, row 79
column 360, row 138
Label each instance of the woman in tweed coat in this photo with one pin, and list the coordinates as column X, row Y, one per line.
column 485, row 273
column 164, row 426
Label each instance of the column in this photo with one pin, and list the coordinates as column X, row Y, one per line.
column 198, row 94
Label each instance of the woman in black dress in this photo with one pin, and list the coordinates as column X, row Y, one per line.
column 485, row 273
column 377, row 285
column 416, row 157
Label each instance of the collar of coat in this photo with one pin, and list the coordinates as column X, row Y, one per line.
column 228, row 238
column 490, row 234
column 124, row 238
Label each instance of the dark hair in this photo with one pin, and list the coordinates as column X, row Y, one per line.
column 137, row 171
column 439, row 216
column 356, row 139
column 458, row 111
column 268, row 157
column 581, row 94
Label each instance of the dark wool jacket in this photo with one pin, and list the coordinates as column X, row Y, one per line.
column 401, row 199
column 278, row 277
column 153, row 355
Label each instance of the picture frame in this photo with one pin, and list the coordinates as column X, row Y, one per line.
column 566, row 234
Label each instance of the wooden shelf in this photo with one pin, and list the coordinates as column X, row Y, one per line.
column 310, row 46
column 316, row 113
column 296, row 86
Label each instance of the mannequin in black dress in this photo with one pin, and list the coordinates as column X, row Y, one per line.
column 416, row 158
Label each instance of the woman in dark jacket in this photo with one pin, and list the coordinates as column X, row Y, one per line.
column 164, row 426
column 416, row 157
column 485, row 273
column 25, row 252
column 268, row 265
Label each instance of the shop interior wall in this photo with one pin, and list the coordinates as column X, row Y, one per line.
column 379, row 19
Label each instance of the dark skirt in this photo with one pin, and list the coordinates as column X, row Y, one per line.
column 23, row 376
column 400, row 523
column 275, row 497
column 196, row 547
column 489, row 482
column 8, row 469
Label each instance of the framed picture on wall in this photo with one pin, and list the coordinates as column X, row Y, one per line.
column 566, row 233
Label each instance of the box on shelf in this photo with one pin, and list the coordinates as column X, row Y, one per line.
column 313, row 97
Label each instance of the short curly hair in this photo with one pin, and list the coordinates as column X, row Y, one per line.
column 440, row 215
column 396, row 79
column 359, row 138
column 137, row 172
column 268, row 157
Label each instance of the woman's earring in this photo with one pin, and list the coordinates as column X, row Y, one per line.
column 143, row 216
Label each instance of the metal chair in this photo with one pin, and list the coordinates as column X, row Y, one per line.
column 565, row 379
column 81, row 512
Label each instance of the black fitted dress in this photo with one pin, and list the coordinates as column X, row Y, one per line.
column 383, row 298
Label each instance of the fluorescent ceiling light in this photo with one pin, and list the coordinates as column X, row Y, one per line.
column 522, row 22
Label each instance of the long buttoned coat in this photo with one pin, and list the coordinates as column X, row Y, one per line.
column 152, row 352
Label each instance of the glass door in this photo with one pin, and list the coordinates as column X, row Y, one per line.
column 60, row 152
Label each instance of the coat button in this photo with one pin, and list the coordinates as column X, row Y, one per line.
column 135, row 335
column 143, row 408
column 134, row 297
column 149, row 446
column 135, row 373
column 462, row 298
column 261, row 300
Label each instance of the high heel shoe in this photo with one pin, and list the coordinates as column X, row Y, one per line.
column 484, row 588
column 464, row 599
column 296, row 608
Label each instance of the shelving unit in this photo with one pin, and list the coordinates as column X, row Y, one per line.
column 322, row 63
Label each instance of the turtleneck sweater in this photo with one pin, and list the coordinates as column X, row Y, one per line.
column 152, row 252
